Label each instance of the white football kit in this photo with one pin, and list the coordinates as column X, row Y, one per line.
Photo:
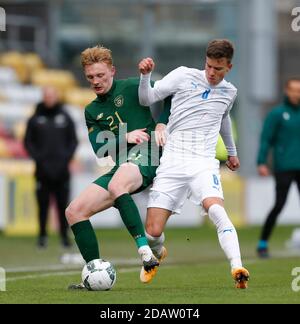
column 199, row 112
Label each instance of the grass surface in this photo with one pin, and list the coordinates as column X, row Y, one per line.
column 195, row 271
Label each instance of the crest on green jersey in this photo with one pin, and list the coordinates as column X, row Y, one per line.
column 119, row 101
column 99, row 116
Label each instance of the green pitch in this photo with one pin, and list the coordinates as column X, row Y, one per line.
column 195, row 271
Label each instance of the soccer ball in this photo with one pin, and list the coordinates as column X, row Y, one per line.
column 98, row 274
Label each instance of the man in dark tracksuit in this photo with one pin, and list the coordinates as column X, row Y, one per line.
column 281, row 132
column 51, row 141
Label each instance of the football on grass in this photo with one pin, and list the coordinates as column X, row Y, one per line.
column 98, row 274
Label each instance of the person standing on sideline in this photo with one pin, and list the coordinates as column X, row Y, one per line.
column 200, row 110
column 50, row 140
column 281, row 133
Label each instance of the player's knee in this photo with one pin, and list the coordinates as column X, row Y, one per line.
column 116, row 189
column 74, row 213
column 208, row 202
column 69, row 213
column 154, row 229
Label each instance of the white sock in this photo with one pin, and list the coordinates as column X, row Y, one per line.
column 156, row 243
column 145, row 252
column 227, row 235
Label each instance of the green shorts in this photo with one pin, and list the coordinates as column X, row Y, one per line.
column 146, row 163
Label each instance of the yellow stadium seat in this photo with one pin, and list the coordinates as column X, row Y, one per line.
column 79, row 96
column 23, row 64
column 16, row 61
column 33, row 62
column 60, row 79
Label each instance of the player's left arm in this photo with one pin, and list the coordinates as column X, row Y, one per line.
column 233, row 162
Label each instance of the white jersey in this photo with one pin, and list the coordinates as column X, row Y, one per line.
column 197, row 110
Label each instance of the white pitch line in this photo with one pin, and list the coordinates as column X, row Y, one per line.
column 65, row 273
column 117, row 262
column 43, row 275
column 41, row 268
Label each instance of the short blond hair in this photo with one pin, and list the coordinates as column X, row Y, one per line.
column 96, row 54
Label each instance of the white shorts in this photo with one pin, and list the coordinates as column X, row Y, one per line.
column 180, row 179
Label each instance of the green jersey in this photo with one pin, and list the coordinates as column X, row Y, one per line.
column 281, row 132
column 118, row 110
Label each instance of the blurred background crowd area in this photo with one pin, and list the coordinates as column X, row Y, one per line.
column 43, row 39
column 22, row 78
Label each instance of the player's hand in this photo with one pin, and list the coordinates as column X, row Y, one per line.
column 160, row 134
column 233, row 163
column 146, row 65
column 263, row 170
column 137, row 136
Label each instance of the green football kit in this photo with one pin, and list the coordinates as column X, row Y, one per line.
column 108, row 118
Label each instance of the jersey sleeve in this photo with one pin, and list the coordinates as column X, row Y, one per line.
column 163, row 88
column 231, row 104
column 267, row 137
column 226, row 129
column 227, row 136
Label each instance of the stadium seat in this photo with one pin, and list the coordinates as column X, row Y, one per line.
column 79, row 96
column 60, row 79
column 16, row 61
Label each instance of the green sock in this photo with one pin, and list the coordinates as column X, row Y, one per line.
column 131, row 218
column 86, row 240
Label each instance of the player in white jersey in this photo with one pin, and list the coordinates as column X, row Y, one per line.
column 201, row 102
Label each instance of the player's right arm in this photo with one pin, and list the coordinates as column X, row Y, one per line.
column 163, row 88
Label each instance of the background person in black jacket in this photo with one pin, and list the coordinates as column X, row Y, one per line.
column 50, row 140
